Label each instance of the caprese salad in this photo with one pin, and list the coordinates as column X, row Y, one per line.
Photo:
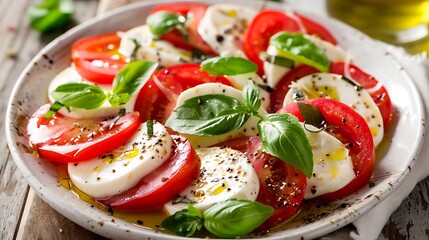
column 222, row 117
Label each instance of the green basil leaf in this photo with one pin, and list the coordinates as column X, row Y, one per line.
column 162, row 22
column 228, row 66
column 295, row 46
column 149, row 126
column 312, row 115
column 235, row 218
column 55, row 107
column 251, row 97
column 131, row 79
column 79, row 95
column 284, row 137
column 277, row 60
column 185, row 222
column 118, row 99
column 208, row 115
column 50, row 14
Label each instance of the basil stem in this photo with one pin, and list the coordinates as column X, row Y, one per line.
column 50, row 15
column 295, row 46
column 228, row 66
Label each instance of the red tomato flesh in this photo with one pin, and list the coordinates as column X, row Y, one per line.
column 281, row 185
column 161, row 185
column 158, row 97
column 195, row 12
column 377, row 91
column 97, row 58
column 61, row 139
column 353, row 131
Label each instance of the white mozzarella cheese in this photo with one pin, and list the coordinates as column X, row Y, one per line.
column 122, row 169
column 69, row 75
column 274, row 73
column 224, row 174
column 333, row 86
column 223, row 26
column 249, row 128
column 332, row 165
column 238, row 81
column 152, row 49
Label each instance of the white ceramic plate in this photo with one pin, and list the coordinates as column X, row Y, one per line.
column 398, row 152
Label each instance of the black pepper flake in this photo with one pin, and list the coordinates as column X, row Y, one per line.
column 219, row 38
column 139, row 222
column 371, row 183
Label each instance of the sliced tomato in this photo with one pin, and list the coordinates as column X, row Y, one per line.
column 161, row 185
column 280, row 90
column 353, row 131
column 195, row 12
column 377, row 91
column 257, row 37
column 314, row 28
column 158, row 97
column 62, row 139
column 97, row 58
column 281, row 185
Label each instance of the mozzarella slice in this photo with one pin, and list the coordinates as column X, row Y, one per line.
column 225, row 174
column 152, row 49
column 223, row 26
column 69, row 75
column 333, row 86
column 249, row 128
column 273, row 72
column 332, row 165
column 122, row 169
column 238, row 81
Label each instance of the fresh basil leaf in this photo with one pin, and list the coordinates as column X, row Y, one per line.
column 208, row 115
column 185, row 222
column 282, row 136
column 118, row 99
column 131, row 79
column 235, row 218
column 50, row 14
column 55, row 107
column 312, row 115
column 277, row 60
column 79, row 95
column 228, row 66
column 295, row 46
column 251, row 97
column 162, row 22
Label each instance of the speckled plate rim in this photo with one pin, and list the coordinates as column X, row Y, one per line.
column 97, row 221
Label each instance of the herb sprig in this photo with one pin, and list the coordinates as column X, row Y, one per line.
column 229, row 219
column 216, row 114
column 127, row 82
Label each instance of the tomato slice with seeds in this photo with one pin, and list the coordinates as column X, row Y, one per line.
column 353, row 131
column 377, row 91
column 97, row 58
column 161, row 185
column 62, row 139
column 158, row 97
column 281, row 185
column 195, row 12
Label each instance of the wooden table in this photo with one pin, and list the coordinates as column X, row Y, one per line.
column 23, row 215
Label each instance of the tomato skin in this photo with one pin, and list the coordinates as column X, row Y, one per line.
column 280, row 90
column 158, row 97
column 380, row 95
column 195, row 11
column 354, row 132
column 281, row 185
column 61, row 139
column 161, row 185
column 264, row 25
column 314, row 28
column 102, row 50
